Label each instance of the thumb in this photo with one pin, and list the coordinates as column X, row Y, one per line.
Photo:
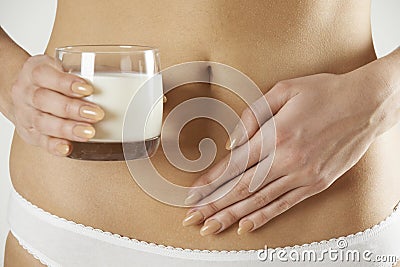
column 260, row 112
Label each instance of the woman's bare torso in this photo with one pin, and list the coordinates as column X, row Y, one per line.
column 267, row 40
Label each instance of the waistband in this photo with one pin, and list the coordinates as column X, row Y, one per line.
column 60, row 242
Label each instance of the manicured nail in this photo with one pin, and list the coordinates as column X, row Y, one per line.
column 234, row 138
column 210, row 227
column 82, row 131
column 193, row 218
column 63, row 149
column 230, row 144
column 193, row 198
column 245, row 227
column 82, row 89
column 93, row 113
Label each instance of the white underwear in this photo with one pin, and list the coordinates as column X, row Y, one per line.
column 58, row 242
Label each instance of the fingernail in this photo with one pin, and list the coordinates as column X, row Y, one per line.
column 93, row 113
column 230, row 144
column 86, row 132
column 193, row 198
column 233, row 138
column 245, row 227
column 193, row 218
column 165, row 99
column 63, row 149
column 190, row 211
column 82, row 89
column 211, row 227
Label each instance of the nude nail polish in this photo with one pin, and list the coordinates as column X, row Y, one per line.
column 193, row 218
column 193, row 198
column 210, row 227
column 63, row 149
column 234, row 138
column 82, row 131
column 245, row 227
column 93, row 113
column 230, row 144
column 82, row 89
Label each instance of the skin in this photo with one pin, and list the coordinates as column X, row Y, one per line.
column 47, row 106
column 286, row 40
column 311, row 152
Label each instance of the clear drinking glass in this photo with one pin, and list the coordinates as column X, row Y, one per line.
column 117, row 72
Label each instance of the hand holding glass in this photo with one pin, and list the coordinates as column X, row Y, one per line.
column 119, row 75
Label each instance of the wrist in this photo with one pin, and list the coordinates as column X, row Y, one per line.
column 387, row 69
column 381, row 90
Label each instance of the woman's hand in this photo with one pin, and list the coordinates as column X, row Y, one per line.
column 47, row 106
column 324, row 124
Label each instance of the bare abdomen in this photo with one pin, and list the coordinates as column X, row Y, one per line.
column 266, row 45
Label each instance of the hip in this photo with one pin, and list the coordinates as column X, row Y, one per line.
column 105, row 196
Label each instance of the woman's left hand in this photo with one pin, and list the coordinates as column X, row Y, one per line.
column 324, row 124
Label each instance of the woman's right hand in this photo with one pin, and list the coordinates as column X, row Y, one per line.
column 47, row 106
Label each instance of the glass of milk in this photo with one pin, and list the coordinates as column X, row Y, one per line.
column 127, row 84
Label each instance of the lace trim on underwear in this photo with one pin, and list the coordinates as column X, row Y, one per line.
column 306, row 245
column 31, row 251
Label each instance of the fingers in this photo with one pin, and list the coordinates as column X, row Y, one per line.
column 279, row 95
column 260, row 217
column 239, row 192
column 47, row 76
column 231, row 214
column 241, row 158
column 33, row 125
column 266, row 138
column 47, row 124
column 65, row 107
column 47, row 111
column 228, row 168
column 38, row 125
column 55, row 146
column 260, row 112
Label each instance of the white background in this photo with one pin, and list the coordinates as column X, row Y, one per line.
column 29, row 23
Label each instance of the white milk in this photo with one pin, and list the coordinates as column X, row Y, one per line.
column 113, row 93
